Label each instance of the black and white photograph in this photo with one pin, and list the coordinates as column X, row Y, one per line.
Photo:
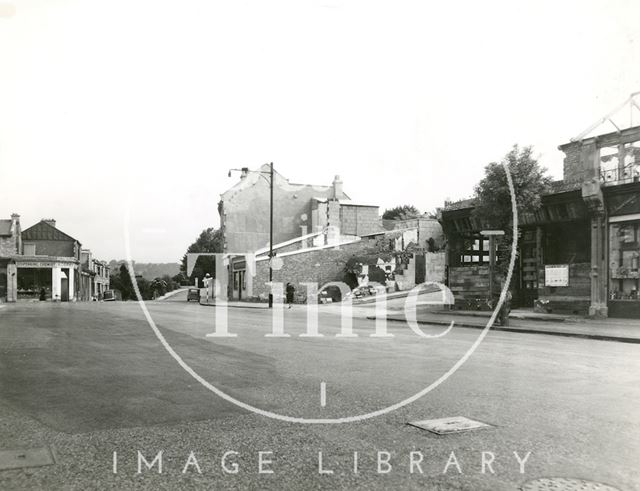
column 320, row 244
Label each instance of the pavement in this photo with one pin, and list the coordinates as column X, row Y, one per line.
column 90, row 379
column 620, row 330
column 523, row 321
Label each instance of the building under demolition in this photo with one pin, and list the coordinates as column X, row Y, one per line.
column 578, row 254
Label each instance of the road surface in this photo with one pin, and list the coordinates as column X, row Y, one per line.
column 91, row 379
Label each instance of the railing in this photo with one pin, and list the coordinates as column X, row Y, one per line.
column 620, row 175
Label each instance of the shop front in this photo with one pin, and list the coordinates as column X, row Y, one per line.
column 46, row 279
column 624, row 266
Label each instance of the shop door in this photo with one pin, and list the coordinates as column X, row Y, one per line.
column 64, row 290
column 241, row 284
column 528, row 271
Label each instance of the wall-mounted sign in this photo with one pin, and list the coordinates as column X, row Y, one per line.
column 276, row 263
column 556, row 275
column 44, row 264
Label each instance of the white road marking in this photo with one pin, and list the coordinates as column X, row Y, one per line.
column 323, row 394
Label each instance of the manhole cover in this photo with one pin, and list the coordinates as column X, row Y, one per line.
column 444, row 426
column 565, row 484
column 33, row 457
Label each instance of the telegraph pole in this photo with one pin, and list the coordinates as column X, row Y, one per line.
column 245, row 171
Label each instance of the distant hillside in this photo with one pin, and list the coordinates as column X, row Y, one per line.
column 149, row 271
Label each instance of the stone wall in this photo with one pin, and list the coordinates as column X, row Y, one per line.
column 572, row 166
column 7, row 246
column 428, row 228
column 318, row 265
column 573, row 299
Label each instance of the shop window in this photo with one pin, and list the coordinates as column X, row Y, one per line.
column 475, row 251
column 624, row 261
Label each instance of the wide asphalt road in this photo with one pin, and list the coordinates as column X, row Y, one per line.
column 91, row 379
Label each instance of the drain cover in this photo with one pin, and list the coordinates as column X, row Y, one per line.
column 444, row 426
column 565, row 484
column 34, row 457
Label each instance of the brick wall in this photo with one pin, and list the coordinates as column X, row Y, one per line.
column 359, row 220
column 572, row 299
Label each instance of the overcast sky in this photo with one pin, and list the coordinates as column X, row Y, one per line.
column 407, row 101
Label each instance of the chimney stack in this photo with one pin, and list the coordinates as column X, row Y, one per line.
column 337, row 188
column 49, row 221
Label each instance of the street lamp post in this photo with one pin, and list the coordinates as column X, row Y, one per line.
column 245, row 171
column 270, row 235
column 492, row 255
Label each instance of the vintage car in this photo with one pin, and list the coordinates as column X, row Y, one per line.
column 109, row 296
column 364, row 291
column 193, row 294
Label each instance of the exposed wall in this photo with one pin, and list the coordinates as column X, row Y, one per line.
column 245, row 212
column 359, row 220
column 428, row 228
column 572, row 166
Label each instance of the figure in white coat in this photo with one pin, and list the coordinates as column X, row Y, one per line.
column 208, row 284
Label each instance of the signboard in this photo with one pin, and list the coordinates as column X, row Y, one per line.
column 45, row 264
column 556, row 275
column 276, row 263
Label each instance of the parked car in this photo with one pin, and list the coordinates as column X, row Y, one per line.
column 365, row 291
column 193, row 294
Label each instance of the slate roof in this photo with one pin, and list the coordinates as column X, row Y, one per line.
column 5, row 227
column 45, row 231
column 460, row 205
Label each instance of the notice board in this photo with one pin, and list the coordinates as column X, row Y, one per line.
column 556, row 275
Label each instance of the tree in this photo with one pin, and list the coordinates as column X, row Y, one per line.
column 159, row 287
column 493, row 208
column 209, row 240
column 403, row 212
column 121, row 281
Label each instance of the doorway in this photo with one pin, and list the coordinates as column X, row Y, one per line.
column 64, row 286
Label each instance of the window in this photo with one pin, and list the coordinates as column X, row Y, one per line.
column 475, row 251
column 29, row 249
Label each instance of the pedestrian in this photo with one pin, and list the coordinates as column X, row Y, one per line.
column 290, row 290
column 207, row 284
column 43, row 294
column 505, row 309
